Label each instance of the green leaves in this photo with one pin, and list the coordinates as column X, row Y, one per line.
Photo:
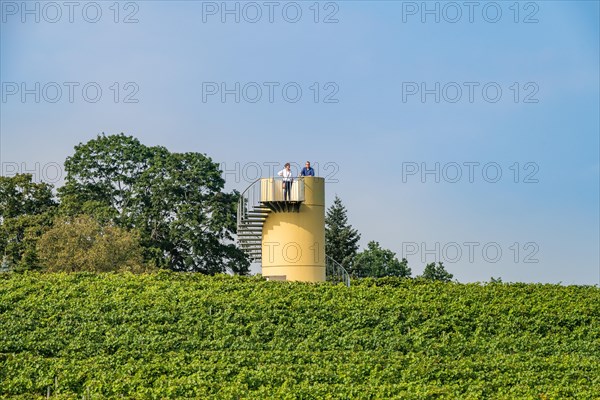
column 19, row 195
column 83, row 244
column 168, row 335
column 105, row 170
column 376, row 262
column 436, row 272
column 26, row 211
column 174, row 200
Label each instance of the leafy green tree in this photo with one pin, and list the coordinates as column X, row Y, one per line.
column 102, row 175
column 175, row 200
column 376, row 262
column 20, row 235
column 26, row 212
column 436, row 272
column 19, row 195
column 341, row 240
column 83, row 244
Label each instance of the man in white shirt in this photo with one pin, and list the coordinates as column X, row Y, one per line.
column 286, row 173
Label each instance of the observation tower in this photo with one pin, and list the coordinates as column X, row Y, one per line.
column 285, row 232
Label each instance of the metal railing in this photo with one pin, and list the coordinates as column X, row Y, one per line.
column 274, row 189
column 265, row 190
column 335, row 272
column 249, row 199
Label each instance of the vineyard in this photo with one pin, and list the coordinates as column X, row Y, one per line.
column 169, row 335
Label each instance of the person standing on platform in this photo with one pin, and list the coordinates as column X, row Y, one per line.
column 286, row 174
column 307, row 170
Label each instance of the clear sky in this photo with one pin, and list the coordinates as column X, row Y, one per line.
column 464, row 132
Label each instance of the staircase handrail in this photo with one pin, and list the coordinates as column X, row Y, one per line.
column 339, row 270
column 242, row 210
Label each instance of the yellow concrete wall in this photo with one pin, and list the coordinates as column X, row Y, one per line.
column 294, row 243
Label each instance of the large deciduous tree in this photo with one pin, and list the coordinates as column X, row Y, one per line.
column 341, row 240
column 175, row 200
column 376, row 262
column 19, row 195
column 102, row 177
column 26, row 212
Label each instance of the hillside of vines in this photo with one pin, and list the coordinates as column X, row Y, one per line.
column 180, row 335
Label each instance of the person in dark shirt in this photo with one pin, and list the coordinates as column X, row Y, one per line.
column 307, row 170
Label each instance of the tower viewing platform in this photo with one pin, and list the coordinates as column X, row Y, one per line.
column 273, row 194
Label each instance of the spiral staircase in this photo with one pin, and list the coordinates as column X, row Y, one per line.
column 254, row 209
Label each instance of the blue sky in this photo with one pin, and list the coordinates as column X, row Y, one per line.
column 369, row 61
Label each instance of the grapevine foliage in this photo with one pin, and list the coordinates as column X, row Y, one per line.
column 169, row 335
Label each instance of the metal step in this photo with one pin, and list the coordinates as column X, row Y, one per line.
column 283, row 206
column 253, row 218
column 250, row 227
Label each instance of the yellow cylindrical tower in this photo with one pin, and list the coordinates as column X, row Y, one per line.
column 293, row 242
